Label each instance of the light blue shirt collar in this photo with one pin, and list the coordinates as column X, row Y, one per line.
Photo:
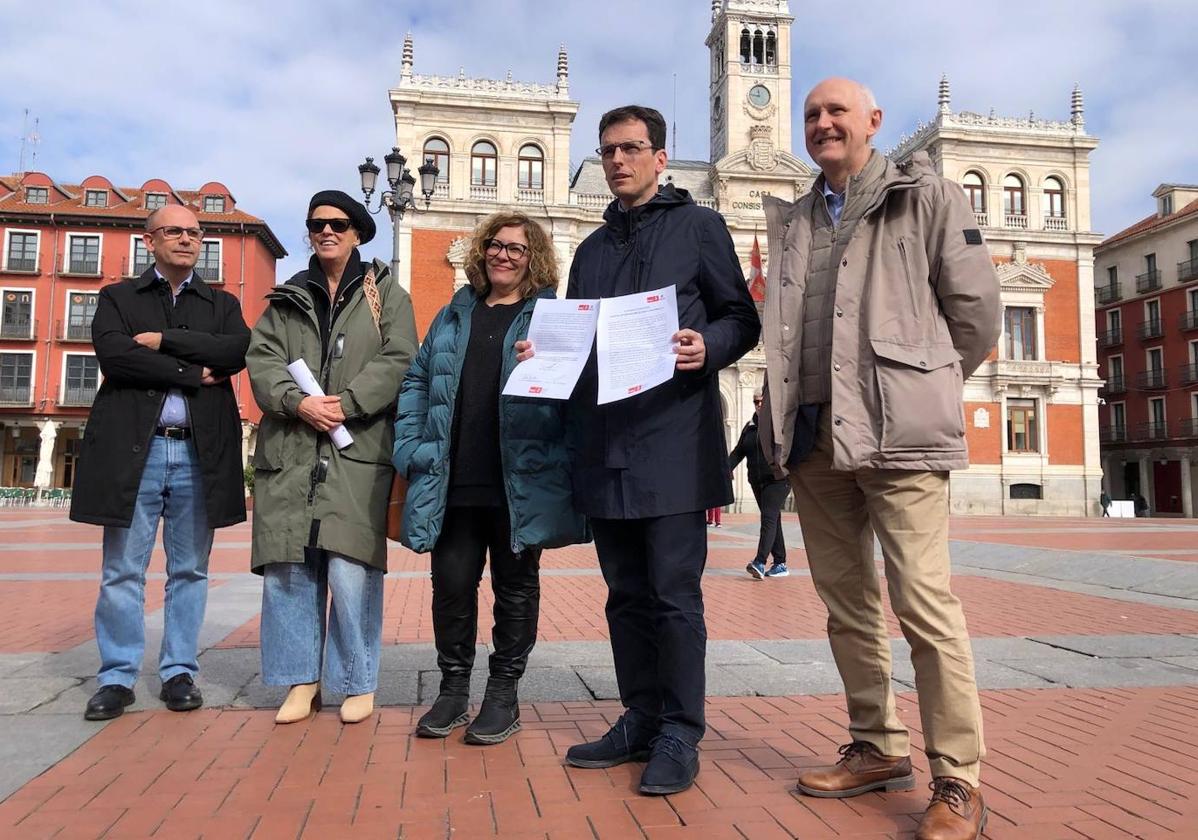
column 182, row 286
column 835, row 202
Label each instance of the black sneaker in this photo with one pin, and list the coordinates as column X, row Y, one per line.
column 447, row 714
column 181, row 694
column 625, row 741
column 108, row 702
column 673, row 765
column 499, row 717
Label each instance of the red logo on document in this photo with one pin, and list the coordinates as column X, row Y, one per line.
column 584, row 307
column 652, row 298
column 535, row 389
column 635, row 388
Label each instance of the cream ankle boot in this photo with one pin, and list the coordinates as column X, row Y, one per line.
column 357, row 708
column 303, row 700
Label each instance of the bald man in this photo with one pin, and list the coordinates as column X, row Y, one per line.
column 163, row 442
column 881, row 300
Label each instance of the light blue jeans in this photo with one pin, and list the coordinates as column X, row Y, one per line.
column 296, row 613
column 171, row 489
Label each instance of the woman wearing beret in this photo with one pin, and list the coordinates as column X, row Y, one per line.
column 488, row 473
column 319, row 511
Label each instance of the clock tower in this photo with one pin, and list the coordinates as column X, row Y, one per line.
column 749, row 93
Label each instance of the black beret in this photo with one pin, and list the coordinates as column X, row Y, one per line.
column 358, row 217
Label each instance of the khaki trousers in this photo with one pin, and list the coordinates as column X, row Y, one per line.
column 839, row 513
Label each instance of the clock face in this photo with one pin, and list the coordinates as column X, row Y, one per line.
column 759, row 95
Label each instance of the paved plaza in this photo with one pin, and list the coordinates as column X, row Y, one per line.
column 1085, row 634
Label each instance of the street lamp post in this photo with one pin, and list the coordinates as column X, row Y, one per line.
column 399, row 199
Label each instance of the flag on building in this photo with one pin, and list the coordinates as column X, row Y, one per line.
column 756, row 276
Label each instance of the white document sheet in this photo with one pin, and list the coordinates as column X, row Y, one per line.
column 635, row 348
column 561, row 333
column 308, row 384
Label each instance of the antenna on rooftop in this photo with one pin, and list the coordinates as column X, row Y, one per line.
column 674, row 121
column 29, row 138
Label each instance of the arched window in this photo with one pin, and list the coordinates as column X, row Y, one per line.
column 771, row 49
column 482, row 164
column 1054, row 198
column 975, row 191
column 758, row 48
column 438, row 150
column 1013, row 203
column 745, row 46
column 531, row 168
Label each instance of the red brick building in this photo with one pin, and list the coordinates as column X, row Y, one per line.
column 61, row 244
column 1146, row 321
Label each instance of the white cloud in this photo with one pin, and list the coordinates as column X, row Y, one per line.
column 278, row 101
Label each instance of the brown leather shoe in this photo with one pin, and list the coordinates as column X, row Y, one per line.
column 956, row 812
column 861, row 768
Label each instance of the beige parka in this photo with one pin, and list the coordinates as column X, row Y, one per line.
column 917, row 311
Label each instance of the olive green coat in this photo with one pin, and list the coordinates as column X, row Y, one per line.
column 345, row 514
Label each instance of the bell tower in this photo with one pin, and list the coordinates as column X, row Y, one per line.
column 749, row 93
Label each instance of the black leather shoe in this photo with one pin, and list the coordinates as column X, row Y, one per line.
column 625, row 741
column 108, row 702
column 181, row 694
column 499, row 717
column 673, row 765
column 447, row 714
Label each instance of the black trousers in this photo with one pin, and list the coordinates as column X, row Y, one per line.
column 467, row 536
column 770, row 499
column 654, row 569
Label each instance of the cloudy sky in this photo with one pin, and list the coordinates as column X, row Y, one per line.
column 279, row 100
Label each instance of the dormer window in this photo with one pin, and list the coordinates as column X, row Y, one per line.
column 95, row 198
column 214, row 204
column 37, row 195
column 1167, row 204
column 155, row 200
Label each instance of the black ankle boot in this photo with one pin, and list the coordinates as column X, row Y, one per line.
column 449, row 709
column 499, row 716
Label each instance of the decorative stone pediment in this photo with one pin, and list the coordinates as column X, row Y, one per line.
column 783, row 162
column 458, row 250
column 1021, row 275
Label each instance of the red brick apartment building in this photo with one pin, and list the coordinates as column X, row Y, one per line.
column 61, row 244
column 1146, row 320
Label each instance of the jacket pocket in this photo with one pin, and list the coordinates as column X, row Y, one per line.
column 908, row 276
column 919, row 390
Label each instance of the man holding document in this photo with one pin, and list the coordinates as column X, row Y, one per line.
column 646, row 466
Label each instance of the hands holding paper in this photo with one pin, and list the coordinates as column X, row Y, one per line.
column 692, row 352
column 321, row 413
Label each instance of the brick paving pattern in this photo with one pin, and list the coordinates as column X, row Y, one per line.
column 1117, row 760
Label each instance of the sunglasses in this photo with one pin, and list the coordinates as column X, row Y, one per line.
column 318, row 225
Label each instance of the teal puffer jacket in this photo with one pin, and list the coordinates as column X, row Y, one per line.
column 536, row 468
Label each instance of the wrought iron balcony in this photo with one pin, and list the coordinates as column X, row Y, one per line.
column 18, row 330
column 1109, row 293
column 1189, row 374
column 1152, row 431
column 1151, row 329
column 1187, row 427
column 1149, row 281
column 1115, row 385
column 1111, row 338
column 1113, row 434
column 21, row 265
column 78, row 396
column 75, row 331
column 1187, row 271
column 137, row 269
column 16, row 395
column 1152, row 380
column 1189, row 320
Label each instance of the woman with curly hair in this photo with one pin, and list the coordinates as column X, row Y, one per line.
column 487, row 473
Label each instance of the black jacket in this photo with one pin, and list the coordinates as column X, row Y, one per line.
column 748, row 449
column 203, row 329
column 661, row 452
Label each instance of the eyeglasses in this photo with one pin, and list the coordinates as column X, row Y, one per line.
column 174, row 232
column 514, row 250
column 318, row 225
column 630, row 149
